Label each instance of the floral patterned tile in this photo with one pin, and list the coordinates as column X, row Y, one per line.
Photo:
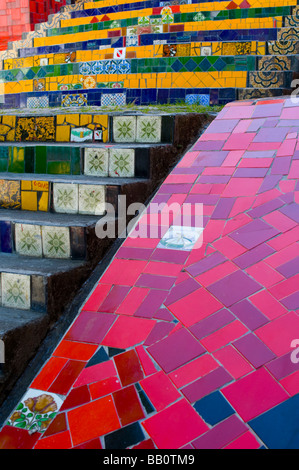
column 35, row 411
column 124, row 128
column 96, row 162
column 16, row 291
column 56, row 242
column 180, row 238
column 148, row 129
column 65, row 198
column 91, row 199
column 28, row 240
column 122, row 163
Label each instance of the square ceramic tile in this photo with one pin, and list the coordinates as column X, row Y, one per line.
column 206, row 50
column 124, row 128
column 43, row 62
column 113, row 99
column 96, row 162
column 148, row 129
column 119, row 53
column 65, row 198
column 28, row 240
column 56, row 242
column 91, row 199
column 81, row 134
column 122, row 163
column 16, row 291
column 132, row 40
column 180, row 238
column 36, row 411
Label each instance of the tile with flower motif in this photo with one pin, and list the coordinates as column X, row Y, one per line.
column 28, row 240
column 89, row 82
column 65, row 198
column 122, row 163
column 124, row 128
column 16, row 291
column 56, row 242
column 96, row 161
column 36, row 411
column 91, row 199
column 148, row 129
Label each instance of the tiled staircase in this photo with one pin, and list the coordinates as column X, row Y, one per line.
column 112, row 53
column 57, row 172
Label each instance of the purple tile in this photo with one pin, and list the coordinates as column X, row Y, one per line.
column 233, row 288
column 176, row 350
column 206, row 264
column 250, row 172
column 255, row 125
column 155, row 282
column 270, row 123
column 212, row 323
column 114, row 299
column 160, row 330
column 281, row 166
column 221, row 434
column 213, row 179
column 270, row 182
column 223, row 125
column 254, row 234
column 223, row 208
column 210, row 159
column 181, row 290
column 249, row 314
column 266, row 208
column 163, row 314
column 175, row 188
column 287, row 198
column 253, row 256
column 210, row 145
column 208, row 199
column 207, row 384
column 259, row 154
column 282, row 366
column 291, row 211
column 292, row 301
column 268, row 110
column 268, row 135
column 151, row 303
column 170, row 256
column 290, row 268
column 133, row 253
column 254, row 350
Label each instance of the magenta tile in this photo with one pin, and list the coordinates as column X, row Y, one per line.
column 176, row 350
column 281, row 166
column 163, row 314
column 233, row 288
column 221, row 434
column 214, row 179
column 211, row 145
column 160, row 330
column 181, row 290
column 253, row 256
column 292, row 301
column 207, row 384
column 282, row 366
column 205, row 264
column 212, row 323
column 239, row 141
column 249, row 314
column 291, row 211
column 223, row 208
column 170, row 256
column 254, row 350
column 290, row 268
column 250, row 172
column 155, row 282
column 254, row 234
column 151, row 304
column 208, row 199
column 222, row 125
column 266, row 208
column 175, row 188
column 90, row 327
column 114, row 299
column 133, row 253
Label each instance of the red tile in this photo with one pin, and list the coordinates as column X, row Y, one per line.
column 264, row 274
column 48, row 373
column 229, row 247
column 66, row 377
column 129, row 367
column 246, row 441
column 193, row 370
column 128, row 405
column 90, row 327
column 279, row 334
column 128, row 331
column 93, row 420
column 114, row 299
column 92, row 445
column 268, row 305
column 284, row 240
column 225, row 335
column 233, row 362
column 96, row 298
column 262, row 393
column 163, row 269
column 147, row 364
column 160, row 390
column 175, row 426
column 57, row 441
column 148, row 444
column 133, row 300
column 76, row 397
column 285, row 288
column 58, row 425
column 104, row 387
column 15, row 438
column 283, row 256
column 217, row 273
column 291, row 383
column 75, row 350
column 279, row 221
column 237, row 187
column 123, row 272
column 95, row 373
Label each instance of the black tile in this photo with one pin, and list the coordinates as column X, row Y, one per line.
column 124, row 437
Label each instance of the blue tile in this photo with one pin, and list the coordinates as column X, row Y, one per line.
column 213, row 408
column 278, row 428
column 6, row 241
column 98, row 357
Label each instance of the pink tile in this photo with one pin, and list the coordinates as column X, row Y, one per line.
column 224, row 336
column 96, row 373
column 128, row 331
column 193, row 370
column 232, row 361
column 268, row 305
column 132, row 301
column 291, row 383
column 264, row 274
column 242, row 187
column 279, row 334
column 262, row 393
column 246, row 441
column 160, row 390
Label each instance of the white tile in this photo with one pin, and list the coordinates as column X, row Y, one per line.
column 28, row 240
column 56, row 242
column 65, row 198
column 16, row 291
column 92, row 199
column 96, row 161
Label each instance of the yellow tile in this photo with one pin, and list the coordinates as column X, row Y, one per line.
column 9, row 120
column 40, row 185
column 63, row 133
column 43, row 204
column 73, row 119
column 26, row 185
column 85, row 119
column 29, row 200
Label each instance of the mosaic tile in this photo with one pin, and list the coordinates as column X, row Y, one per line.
column 16, row 291
column 28, row 240
column 122, row 163
column 96, row 162
column 115, row 99
column 91, row 199
column 56, row 242
column 148, row 129
column 124, row 129
column 66, row 198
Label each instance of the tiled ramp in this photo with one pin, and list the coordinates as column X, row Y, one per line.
column 182, row 345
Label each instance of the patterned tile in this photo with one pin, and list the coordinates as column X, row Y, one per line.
column 66, row 198
column 124, row 128
column 149, row 129
column 28, row 240
column 92, row 199
column 115, row 99
column 180, row 238
column 56, row 242
column 96, row 162
column 16, row 291
column 122, row 163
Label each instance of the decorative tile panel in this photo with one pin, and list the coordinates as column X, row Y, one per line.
column 16, row 291
column 65, row 198
column 28, row 240
column 56, row 241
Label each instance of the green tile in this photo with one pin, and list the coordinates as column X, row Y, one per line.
column 29, row 159
column 40, row 159
column 16, row 162
column 59, row 168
